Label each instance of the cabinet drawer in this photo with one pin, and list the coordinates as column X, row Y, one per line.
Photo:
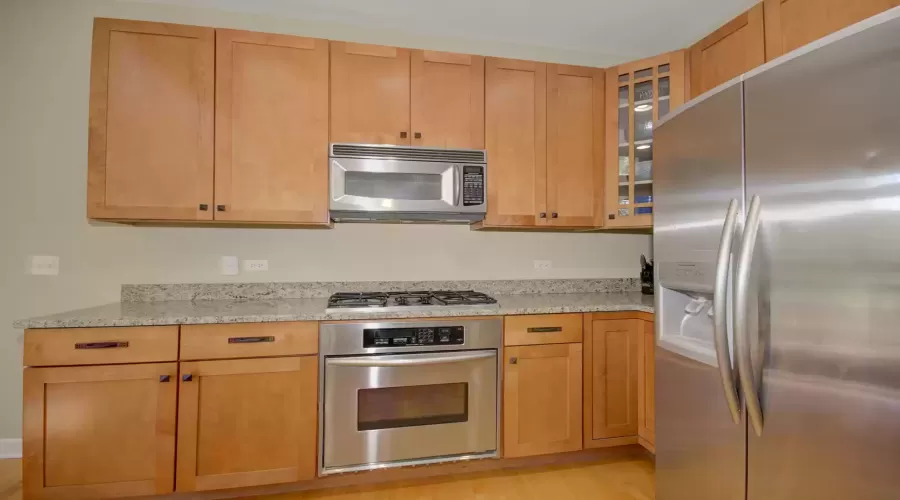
column 100, row 346
column 249, row 340
column 531, row 329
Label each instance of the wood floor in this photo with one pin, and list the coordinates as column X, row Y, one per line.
column 621, row 480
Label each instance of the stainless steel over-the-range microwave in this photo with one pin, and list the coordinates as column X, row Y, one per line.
column 380, row 182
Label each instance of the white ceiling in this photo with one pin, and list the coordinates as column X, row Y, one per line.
column 618, row 29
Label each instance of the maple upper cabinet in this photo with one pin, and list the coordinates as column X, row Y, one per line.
column 271, row 128
column 516, row 142
column 575, row 145
column 542, row 397
column 611, row 359
column 447, row 101
column 794, row 23
column 647, row 385
column 370, row 98
column 637, row 94
column 246, row 422
column 99, row 431
column 735, row 48
column 150, row 140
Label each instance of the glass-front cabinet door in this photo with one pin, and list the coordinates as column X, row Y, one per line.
column 638, row 94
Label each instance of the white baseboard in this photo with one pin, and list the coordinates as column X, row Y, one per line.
column 10, row 448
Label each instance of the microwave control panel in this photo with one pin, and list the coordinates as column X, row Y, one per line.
column 473, row 185
column 428, row 336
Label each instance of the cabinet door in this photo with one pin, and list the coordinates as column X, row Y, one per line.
column 646, row 386
column 369, row 94
column 271, row 128
column 794, row 23
column 637, row 94
column 575, row 121
column 246, row 422
column 735, row 48
column 516, row 142
column 99, row 431
column 614, row 346
column 447, row 99
column 542, row 399
column 150, row 140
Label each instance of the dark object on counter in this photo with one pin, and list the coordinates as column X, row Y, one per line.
column 646, row 276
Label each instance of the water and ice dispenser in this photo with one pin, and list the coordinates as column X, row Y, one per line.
column 685, row 317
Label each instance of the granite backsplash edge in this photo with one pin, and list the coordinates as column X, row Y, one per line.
column 318, row 289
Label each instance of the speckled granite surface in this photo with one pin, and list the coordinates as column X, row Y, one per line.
column 313, row 289
column 187, row 312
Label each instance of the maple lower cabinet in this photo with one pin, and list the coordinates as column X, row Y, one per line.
column 99, row 431
column 646, row 385
column 370, row 94
column 611, row 359
column 542, row 399
column 575, row 145
column 447, row 100
column 735, row 48
column 637, row 95
column 246, row 422
column 271, row 128
column 150, row 139
column 794, row 23
column 515, row 113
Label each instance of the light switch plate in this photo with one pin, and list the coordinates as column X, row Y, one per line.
column 43, row 265
column 228, row 265
column 256, row 265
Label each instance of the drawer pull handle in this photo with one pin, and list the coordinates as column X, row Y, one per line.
column 100, row 345
column 545, row 329
column 513, row 361
column 249, row 340
column 163, row 378
column 187, row 377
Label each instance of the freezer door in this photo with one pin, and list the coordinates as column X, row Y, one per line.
column 700, row 445
column 823, row 155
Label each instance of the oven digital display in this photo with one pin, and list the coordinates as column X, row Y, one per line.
column 427, row 336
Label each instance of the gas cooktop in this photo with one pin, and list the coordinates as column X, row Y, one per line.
column 397, row 301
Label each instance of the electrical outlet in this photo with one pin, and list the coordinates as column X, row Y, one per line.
column 228, row 265
column 256, row 265
column 543, row 264
column 44, row 265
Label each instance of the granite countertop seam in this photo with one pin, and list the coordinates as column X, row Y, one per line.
column 188, row 312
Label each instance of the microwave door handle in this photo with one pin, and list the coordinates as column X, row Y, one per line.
column 390, row 360
column 457, row 182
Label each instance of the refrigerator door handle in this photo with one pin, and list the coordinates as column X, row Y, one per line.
column 720, row 312
column 741, row 301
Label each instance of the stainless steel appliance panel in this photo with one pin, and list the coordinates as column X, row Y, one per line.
column 434, row 404
column 697, row 172
column 700, row 442
column 823, row 155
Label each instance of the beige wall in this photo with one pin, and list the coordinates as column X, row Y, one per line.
column 45, row 50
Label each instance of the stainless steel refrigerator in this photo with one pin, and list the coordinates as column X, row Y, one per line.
column 777, row 242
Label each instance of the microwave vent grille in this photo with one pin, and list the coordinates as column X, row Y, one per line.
column 408, row 153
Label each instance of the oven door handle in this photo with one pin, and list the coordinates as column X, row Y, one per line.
column 410, row 360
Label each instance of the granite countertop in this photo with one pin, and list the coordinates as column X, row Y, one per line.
column 188, row 312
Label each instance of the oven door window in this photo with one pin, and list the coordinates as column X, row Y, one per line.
column 412, row 406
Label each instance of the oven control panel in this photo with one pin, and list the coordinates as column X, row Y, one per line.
column 423, row 336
